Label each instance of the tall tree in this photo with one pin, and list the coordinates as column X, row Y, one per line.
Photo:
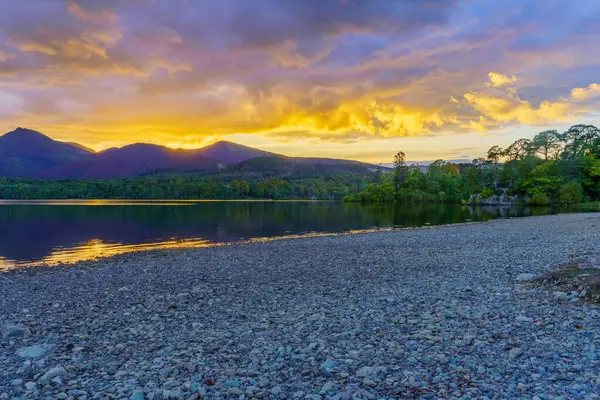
column 494, row 154
column 399, row 169
column 579, row 139
column 518, row 150
column 546, row 144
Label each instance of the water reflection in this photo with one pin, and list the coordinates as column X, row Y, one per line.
column 51, row 232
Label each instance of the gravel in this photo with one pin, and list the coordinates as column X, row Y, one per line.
column 422, row 313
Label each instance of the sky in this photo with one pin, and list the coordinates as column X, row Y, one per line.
column 358, row 79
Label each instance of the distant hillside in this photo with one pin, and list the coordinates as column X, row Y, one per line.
column 30, row 154
column 228, row 153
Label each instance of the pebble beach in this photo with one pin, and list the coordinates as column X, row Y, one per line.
column 445, row 312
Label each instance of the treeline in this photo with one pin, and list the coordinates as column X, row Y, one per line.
column 551, row 168
column 187, row 187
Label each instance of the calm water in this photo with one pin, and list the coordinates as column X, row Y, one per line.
column 51, row 232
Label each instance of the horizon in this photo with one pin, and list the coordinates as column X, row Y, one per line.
column 385, row 164
column 341, row 79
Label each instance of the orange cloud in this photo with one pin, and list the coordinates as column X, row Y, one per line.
column 589, row 92
column 498, row 80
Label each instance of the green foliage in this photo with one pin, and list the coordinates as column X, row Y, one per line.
column 570, row 193
column 554, row 167
column 487, row 193
column 208, row 187
column 539, row 198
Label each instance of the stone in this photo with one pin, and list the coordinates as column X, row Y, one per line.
column 276, row 391
column 560, row 296
column 35, row 351
column 234, row 391
column 525, row 277
column 14, row 331
column 52, row 373
column 522, row 318
column 30, row 386
column 329, row 387
column 514, row 352
column 329, row 364
column 138, row 395
column 369, row 383
column 16, row 382
column 365, row 371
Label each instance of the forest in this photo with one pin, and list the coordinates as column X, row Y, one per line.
column 187, row 187
column 552, row 168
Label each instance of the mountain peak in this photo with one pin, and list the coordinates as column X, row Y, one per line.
column 229, row 152
column 223, row 144
column 23, row 133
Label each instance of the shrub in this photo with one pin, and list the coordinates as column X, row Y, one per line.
column 539, row 198
column 487, row 193
column 570, row 193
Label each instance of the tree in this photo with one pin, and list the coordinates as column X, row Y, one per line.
column 518, row 150
column 451, row 169
column 399, row 169
column 579, row 140
column 546, row 144
column 494, row 154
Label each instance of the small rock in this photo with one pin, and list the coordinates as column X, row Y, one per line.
column 514, row 352
column 16, row 382
column 329, row 364
column 275, row 391
column 525, row 277
column 369, row 383
column 35, row 351
column 329, row 387
column 52, row 373
column 522, row 318
column 365, row 371
column 138, row 395
column 14, row 331
column 234, row 391
column 560, row 296
column 30, row 385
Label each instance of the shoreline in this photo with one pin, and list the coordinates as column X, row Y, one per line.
column 193, row 244
column 426, row 312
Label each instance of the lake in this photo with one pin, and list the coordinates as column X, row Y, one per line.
column 35, row 233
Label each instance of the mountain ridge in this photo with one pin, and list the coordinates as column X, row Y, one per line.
column 26, row 153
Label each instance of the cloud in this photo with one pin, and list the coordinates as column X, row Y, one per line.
column 589, row 92
column 333, row 71
column 5, row 55
column 499, row 106
column 497, row 80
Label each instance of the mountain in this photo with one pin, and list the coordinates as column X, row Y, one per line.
column 132, row 160
column 228, row 153
column 30, row 154
column 25, row 152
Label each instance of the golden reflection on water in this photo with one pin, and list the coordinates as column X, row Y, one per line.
column 97, row 249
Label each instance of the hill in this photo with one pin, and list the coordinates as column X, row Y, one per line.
column 26, row 153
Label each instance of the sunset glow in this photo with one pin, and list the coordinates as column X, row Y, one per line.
column 346, row 79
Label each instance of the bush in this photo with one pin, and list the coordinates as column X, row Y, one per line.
column 570, row 193
column 487, row 193
column 539, row 198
